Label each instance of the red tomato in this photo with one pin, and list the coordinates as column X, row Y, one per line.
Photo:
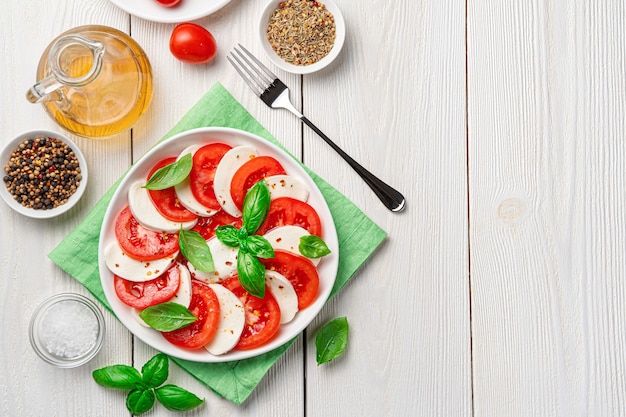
column 206, row 225
column 168, row 3
column 192, row 44
column 202, row 173
column 262, row 316
column 299, row 271
column 166, row 201
column 288, row 211
column 250, row 173
column 206, row 307
column 140, row 243
column 148, row 293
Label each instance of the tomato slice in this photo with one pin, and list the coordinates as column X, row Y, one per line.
column 166, row 201
column 202, row 175
column 262, row 316
column 206, row 307
column 250, row 173
column 206, row 225
column 299, row 271
column 140, row 243
column 148, row 293
column 289, row 211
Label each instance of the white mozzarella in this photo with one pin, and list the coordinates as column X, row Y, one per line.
column 182, row 296
column 147, row 215
column 287, row 238
column 224, row 261
column 284, row 293
column 184, row 194
column 229, row 164
column 231, row 323
column 287, row 186
column 133, row 270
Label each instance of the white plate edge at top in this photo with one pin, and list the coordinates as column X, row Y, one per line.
column 327, row 269
column 187, row 10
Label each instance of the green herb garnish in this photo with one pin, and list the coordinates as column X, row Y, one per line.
column 168, row 316
column 250, row 270
column 331, row 340
column 196, row 250
column 145, row 387
column 313, row 246
column 171, row 174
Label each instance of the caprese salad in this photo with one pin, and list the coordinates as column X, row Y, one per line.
column 216, row 248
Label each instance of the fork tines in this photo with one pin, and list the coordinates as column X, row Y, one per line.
column 258, row 77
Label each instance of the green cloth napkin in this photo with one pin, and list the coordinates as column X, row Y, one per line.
column 358, row 237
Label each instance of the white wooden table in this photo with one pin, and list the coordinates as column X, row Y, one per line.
column 499, row 291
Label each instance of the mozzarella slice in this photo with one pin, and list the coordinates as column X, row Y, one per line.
column 284, row 293
column 147, row 215
column 287, row 186
column 224, row 261
column 229, row 164
column 232, row 321
column 182, row 296
column 184, row 194
column 133, row 270
column 287, row 238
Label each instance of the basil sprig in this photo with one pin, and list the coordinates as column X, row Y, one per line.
column 196, row 250
column 168, row 316
column 331, row 340
column 170, row 175
column 146, row 386
column 250, row 269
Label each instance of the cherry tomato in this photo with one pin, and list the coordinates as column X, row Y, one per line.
column 192, row 44
column 262, row 316
column 250, row 173
column 206, row 225
column 206, row 307
column 148, row 293
column 168, row 3
column 288, row 211
column 202, row 173
column 299, row 271
column 140, row 243
column 166, row 201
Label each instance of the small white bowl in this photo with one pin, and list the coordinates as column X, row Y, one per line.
column 5, row 155
column 340, row 36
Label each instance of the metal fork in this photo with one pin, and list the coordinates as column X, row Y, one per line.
column 275, row 94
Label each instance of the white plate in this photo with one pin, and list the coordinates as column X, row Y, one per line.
column 185, row 11
column 327, row 268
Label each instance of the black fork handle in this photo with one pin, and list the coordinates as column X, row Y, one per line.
column 390, row 197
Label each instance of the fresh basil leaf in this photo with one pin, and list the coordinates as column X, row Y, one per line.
column 175, row 398
column 155, row 371
column 258, row 246
column 139, row 401
column 118, row 376
column 256, row 204
column 251, row 274
column 331, row 340
column 168, row 316
column 195, row 249
column 313, row 246
column 228, row 235
column 171, row 174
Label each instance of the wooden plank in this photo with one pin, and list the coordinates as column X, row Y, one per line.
column 546, row 130
column 397, row 104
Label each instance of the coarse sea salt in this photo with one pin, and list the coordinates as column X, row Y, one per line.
column 68, row 329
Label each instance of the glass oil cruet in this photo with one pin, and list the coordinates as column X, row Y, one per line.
column 94, row 81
